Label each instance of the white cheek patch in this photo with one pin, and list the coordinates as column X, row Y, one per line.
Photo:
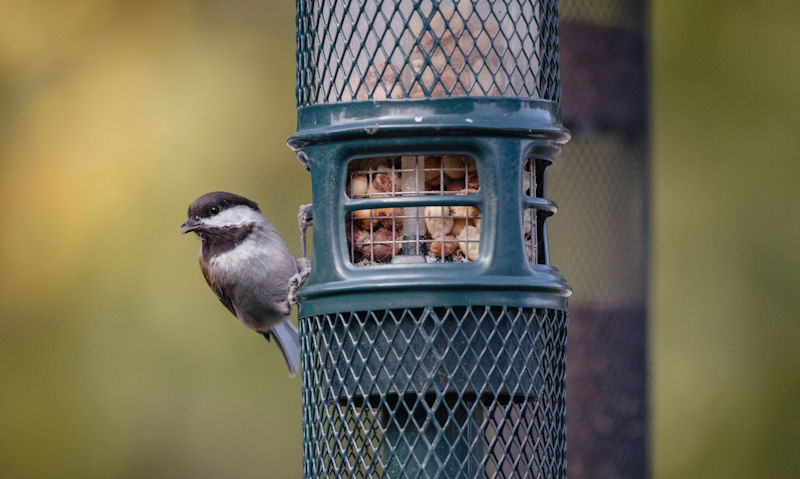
column 232, row 217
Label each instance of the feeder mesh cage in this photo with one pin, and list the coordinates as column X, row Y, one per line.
column 374, row 50
column 418, row 405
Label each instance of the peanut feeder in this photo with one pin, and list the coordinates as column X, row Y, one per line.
column 433, row 327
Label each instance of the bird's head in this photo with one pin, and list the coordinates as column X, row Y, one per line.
column 220, row 213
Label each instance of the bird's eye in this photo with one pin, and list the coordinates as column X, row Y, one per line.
column 214, row 210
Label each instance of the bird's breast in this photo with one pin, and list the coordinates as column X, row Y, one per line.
column 237, row 257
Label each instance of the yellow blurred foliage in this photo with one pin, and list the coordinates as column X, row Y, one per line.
column 115, row 360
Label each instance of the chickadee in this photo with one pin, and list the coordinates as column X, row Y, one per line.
column 247, row 265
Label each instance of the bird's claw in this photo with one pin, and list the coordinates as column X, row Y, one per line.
column 305, row 218
column 298, row 279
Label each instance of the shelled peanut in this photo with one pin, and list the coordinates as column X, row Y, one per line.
column 443, row 246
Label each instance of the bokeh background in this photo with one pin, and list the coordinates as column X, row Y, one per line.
column 117, row 362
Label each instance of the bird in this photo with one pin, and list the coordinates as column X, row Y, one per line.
column 248, row 266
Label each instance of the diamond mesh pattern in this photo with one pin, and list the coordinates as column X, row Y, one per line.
column 434, row 392
column 372, row 50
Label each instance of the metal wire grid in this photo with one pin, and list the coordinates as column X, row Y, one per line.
column 433, row 233
column 450, row 392
column 412, row 175
column 601, row 184
column 377, row 240
column 372, row 50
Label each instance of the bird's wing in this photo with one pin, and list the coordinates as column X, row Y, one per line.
column 217, row 288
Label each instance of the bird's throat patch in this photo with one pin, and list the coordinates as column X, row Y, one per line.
column 217, row 241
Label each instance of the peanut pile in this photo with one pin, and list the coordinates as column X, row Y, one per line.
column 447, row 233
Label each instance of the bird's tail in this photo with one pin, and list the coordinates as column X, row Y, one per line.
column 289, row 343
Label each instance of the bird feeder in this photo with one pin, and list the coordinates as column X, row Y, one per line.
column 433, row 328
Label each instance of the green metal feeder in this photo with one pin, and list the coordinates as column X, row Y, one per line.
column 433, row 328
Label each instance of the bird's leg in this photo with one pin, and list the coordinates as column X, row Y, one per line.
column 305, row 218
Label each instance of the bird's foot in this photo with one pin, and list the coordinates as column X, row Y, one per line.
column 298, row 279
column 305, row 218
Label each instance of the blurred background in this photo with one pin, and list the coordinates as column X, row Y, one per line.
column 116, row 360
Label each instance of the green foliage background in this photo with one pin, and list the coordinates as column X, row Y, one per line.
column 115, row 360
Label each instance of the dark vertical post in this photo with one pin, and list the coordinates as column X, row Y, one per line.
column 601, row 240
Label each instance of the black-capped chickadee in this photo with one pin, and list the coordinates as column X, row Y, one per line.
column 247, row 265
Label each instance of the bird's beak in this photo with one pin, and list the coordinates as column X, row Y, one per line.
column 191, row 224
